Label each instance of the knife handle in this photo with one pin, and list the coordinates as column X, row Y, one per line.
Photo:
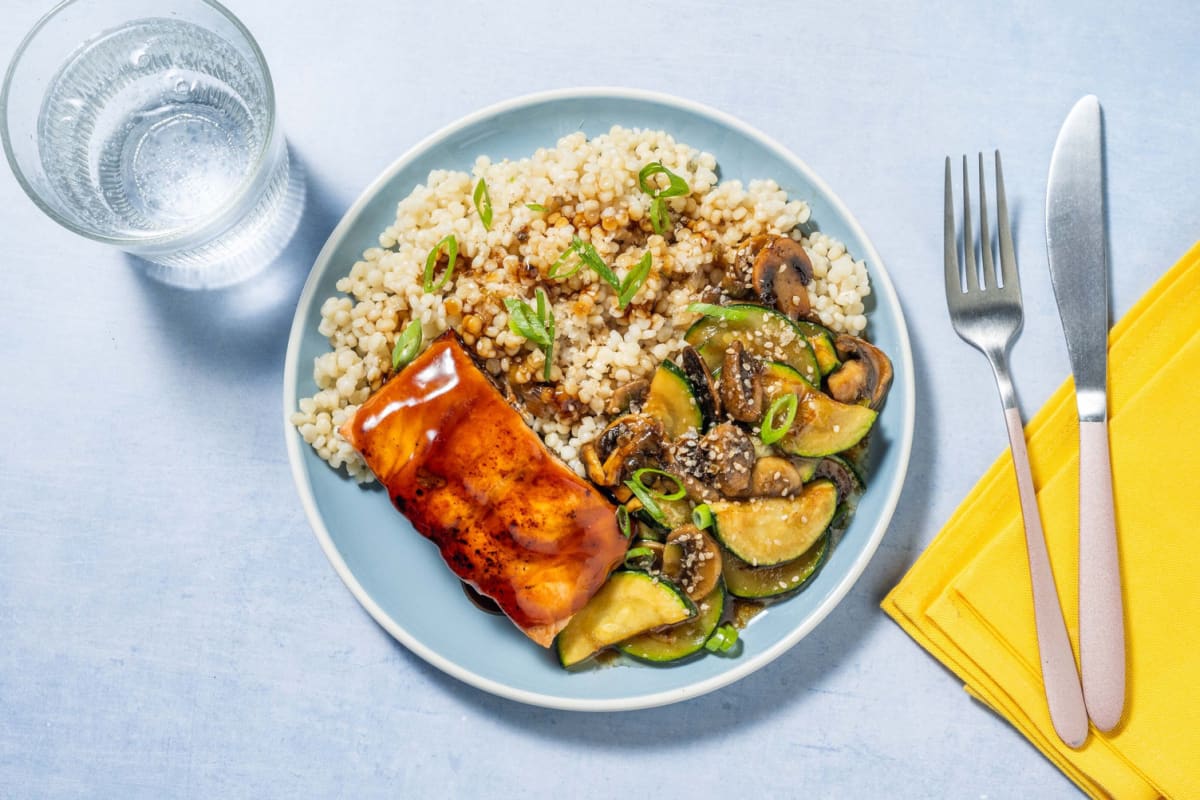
column 1059, row 677
column 1101, row 615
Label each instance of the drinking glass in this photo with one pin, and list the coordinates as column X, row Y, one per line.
column 150, row 125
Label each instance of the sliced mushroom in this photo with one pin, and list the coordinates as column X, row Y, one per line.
column 692, row 561
column 849, row 383
column 739, row 272
column 651, row 562
column 775, row 477
column 710, row 294
column 545, row 401
column 628, row 396
column 592, row 464
column 698, row 492
column 721, row 460
column 632, row 432
column 704, row 388
column 782, row 272
column 866, row 373
column 629, row 442
column 733, row 455
column 687, row 460
column 741, row 384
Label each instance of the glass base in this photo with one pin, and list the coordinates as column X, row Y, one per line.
column 246, row 248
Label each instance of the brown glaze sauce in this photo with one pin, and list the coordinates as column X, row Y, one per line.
column 743, row 611
column 485, row 604
column 509, row 518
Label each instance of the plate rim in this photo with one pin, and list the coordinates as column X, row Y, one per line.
column 881, row 281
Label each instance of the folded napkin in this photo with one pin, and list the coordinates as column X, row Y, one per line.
column 968, row 600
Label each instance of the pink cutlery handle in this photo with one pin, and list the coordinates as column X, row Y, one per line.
column 1063, row 695
column 1101, row 615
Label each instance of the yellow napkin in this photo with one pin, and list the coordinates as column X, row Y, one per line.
column 968, row 601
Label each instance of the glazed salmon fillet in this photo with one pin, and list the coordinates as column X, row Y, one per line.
column 509, row 517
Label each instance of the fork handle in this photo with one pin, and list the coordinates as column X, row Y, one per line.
column 1101, row 616
column 1059, row 676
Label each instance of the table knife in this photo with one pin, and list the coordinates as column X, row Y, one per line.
column 1075, row 238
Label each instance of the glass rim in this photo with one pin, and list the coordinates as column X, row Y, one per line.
column 248, row 184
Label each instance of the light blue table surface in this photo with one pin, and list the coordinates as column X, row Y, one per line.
column 169, row 626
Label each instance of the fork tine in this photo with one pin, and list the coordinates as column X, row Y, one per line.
column 985, row 236
column 1008, row 259
column 953, row 278
column 968, row 242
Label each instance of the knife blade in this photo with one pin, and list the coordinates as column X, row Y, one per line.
column 1075, row 239
column 1078, row 262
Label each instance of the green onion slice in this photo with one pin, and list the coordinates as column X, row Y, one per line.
column 773, row 430
column 451, row 246
column 702, row 516
column 676, row 188
column 588, row 256
column 722, row 639
column 679, row 492
column 638, row 552
column 660, row 219
column 524, row 321
column 536, row 326
column 535, row 207
column 647, row 500
column 623, row 521
column 407, row 344
column 720, row 312
column 634, row 280
column 556, row 269
column 546, row 315
column 483, row 203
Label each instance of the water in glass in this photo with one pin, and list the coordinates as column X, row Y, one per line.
column 151, row 128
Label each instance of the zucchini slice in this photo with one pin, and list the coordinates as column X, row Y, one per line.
column 807, row 467
column 764, row 332
column 772, row 530
column 675, row 514
column 823, row 426
column 760, row 583
column 671, row 401
column 821, row 341
column 682, row 639
column 629, row 603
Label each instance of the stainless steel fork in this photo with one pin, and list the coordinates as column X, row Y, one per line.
column 987, row 315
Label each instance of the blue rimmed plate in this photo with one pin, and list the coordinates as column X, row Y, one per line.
column 398, row 576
